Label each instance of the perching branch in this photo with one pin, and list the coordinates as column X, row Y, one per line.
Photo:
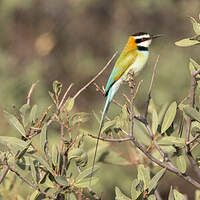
column 30, row 92
column 95, row 77
column 167, row 164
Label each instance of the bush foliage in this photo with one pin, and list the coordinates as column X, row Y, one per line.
column 164, row 139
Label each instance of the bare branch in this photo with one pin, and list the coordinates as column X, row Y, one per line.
column 150, row 87
column 193, row 139
column 4, row 173
column 153, row 159
column 30, row 92
column 111, row 139
column 64, row 98
column 90, row 82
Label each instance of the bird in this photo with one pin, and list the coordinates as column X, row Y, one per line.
column 132, row 59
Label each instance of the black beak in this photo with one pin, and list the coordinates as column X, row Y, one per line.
column 156, row 36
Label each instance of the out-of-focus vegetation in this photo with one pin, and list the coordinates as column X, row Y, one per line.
column 71, row 40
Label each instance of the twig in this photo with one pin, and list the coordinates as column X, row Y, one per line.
column 150, row 87
column 94, row 194
column 102, row 92
column 30, row 92
column 193, row 147
column 4, row 173
column 111, row 139
column 62, row 135
column 63, row 99
column 30, row 184
column 153, row 159
column 157, row 194
column 163, row 154
column 90, row 82
column 188, row 124
column 193, row 139
column 132, row 86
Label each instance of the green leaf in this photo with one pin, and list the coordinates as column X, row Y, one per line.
column 69, row 104
column 79, row 118
column 144, row 175
column 21, row 153
column 197, row 194
column 87, row 173
column 43, row 138
column 178, row 195
column 34, row 195
column 171, row 195
column 155, row 180
column 86, row 182
column 136, row 190
column 119, row 195
column 33, row 114
column 196, row 26
column 61, row 180
column 52, row 96
column 169, row 117
column 70, row 196
column 171, row 140
column 55, row 155
column 13, row 121
column 194, row 64
column 33, row 171
column 108, row 125
column 191, row 112
column 186, row 42
column 24, row 109
column 79, row 155
column 84, row 178
column 181, row 163
column 44, row 163
column 14, row 141
column 113, row 158
column 57, row 86
column 154, row 114
column 151, row 197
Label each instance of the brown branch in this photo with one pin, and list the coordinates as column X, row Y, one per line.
column 153, row 159
column 30, row 92
column 111, row 139
column 150, row 87
column 62, row 135
column 193, row 139
column 30, row 184
column 4, row 173
column 95, row 77
column 188, row 124
column 131, row 115
column 63, row 99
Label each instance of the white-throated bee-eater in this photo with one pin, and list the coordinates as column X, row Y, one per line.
column 133, row 58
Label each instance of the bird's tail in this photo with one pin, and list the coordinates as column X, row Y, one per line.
column 106, row 106
column 110, row 96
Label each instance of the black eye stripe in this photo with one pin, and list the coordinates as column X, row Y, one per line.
column 141, row 40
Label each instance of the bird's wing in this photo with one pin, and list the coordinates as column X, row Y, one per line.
column 124, row 61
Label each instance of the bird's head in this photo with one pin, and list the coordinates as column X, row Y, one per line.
column 144, row 39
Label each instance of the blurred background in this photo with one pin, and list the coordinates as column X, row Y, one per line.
column 71, row 40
